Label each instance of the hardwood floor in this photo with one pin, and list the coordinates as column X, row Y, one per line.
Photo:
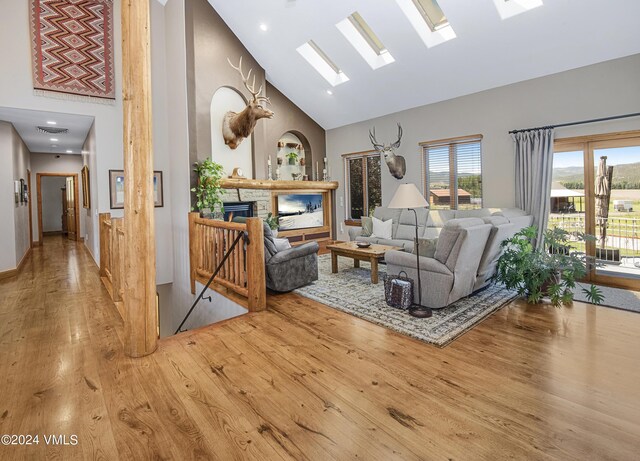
column 303, row 381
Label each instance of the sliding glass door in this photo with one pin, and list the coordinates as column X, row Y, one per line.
column 596, row 190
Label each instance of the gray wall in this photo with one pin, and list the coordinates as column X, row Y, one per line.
column 209, row 43
column 52, row 202
column 601, row 90
column 48, row 163
column 14, row 225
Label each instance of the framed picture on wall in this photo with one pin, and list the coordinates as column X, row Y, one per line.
column 116, row 189
column 86, row 196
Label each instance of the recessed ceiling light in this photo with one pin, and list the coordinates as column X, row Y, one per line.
column 53, row 139
column 51, row 122
column 264, row 27
column 69, row 152
column 54, row 145
column 329, row 92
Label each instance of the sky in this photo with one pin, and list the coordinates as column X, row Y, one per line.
column 616, row 156
column 290, row 203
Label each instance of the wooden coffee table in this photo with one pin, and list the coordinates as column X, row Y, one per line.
column 373, row 254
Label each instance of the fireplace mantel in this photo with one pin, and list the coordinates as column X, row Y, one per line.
column 264, row 194
column 228, row 183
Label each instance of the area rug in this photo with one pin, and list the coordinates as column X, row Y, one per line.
column 72, row 48
column 625, row 300
column 351, row 291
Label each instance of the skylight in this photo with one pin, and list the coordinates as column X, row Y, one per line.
column 509, row 8
column 365, row 41
column 322, row 63
column 428, row 19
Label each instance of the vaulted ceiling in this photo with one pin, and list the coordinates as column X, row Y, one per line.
column 488, row 51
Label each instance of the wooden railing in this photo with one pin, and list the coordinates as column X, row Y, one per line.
column 243, row 272
column 112, row 257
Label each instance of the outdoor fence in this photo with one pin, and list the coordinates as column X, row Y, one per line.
column 622, row 234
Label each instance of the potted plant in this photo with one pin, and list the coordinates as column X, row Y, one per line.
column 208, row 190
column 293, row 157
column 272, row 222
column 552, row 271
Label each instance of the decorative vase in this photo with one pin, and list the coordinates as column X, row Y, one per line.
column 292, row 161
column 303, row 162
column 279, row 160
column 274, row 232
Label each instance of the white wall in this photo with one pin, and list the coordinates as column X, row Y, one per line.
column 16, row 90
column 601, row 90
column 91, row 231
column 7, row 202
column 14, row 225
column 48, row 163
column 178, row 144
column 51, row 189
column 21, row 209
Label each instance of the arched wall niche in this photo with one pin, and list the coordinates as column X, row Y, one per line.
column 286, row 144
column 229, row 99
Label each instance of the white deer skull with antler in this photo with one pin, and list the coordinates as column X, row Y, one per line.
column 396, row 163
column 239, row 125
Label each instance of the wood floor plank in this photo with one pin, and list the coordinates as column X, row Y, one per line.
column 304, row 381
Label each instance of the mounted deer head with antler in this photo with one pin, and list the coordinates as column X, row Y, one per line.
column 239, row 125
column 396, row 163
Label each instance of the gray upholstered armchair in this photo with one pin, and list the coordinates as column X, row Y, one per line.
column 292, row 268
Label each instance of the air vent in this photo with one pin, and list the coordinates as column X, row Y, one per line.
column 52, row 130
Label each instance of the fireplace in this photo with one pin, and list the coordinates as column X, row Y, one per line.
column 236, row 209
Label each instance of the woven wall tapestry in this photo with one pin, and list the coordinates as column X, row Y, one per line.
column 72, row 46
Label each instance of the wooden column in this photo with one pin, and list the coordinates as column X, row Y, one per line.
column 141, row 317
column 256, row 277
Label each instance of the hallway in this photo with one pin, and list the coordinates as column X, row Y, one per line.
column 303, row 381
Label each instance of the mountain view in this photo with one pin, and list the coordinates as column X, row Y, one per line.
column 626, row 176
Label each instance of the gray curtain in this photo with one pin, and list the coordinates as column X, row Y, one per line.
column 534, row 167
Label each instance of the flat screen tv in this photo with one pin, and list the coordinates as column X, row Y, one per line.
column 300, row 211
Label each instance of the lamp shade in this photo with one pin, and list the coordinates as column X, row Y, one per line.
column 408, row 196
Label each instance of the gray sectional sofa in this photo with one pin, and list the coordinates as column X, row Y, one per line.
column 431, row 222
column 466, row 252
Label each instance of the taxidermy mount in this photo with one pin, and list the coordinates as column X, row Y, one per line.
column 239, row 125
column 396, row 163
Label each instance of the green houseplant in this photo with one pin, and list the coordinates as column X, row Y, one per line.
column 272, row 222
column 208, row 190
column 293, row 157
column 552, row 271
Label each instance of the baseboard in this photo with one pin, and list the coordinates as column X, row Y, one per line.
column 52, row 233
column 13, row 272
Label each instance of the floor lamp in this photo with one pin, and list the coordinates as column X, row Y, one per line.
column 408, row 196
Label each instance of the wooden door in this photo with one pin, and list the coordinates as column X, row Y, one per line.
column 72, row 231
column 64, row 210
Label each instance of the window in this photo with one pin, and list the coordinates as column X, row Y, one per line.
column 322, row 63
column 428, row 20
column 453, row 173
column 365, row 41
column 364, row 191
column 509, row 8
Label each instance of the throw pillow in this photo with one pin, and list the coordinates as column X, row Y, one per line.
column 367, row 226
column 426, row 247
column 382, row 229
column 447, row 240
column 282, row 244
